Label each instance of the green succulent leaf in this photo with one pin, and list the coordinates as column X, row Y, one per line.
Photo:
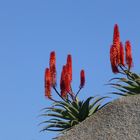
column 70, row 112
column 119, row 93
column 93, row 110
column 64, row 115
column 47, row 128
column 96, row 101
column 127, row 86
column 84, row 110
column 67, row 106
column 57, row 116
column 48, row 121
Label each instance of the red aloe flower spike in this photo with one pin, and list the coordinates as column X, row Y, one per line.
column 65, row 80
column 113, row 59
column 67, row 83
column 62, row 82
column 69, row 66
column 128, row 57
column 47, row 83
column 52, row 58
column 53, row 68
column 116, row 41
column 116, row 35
column 82, row 78
column 63, row 89
column 121, row 54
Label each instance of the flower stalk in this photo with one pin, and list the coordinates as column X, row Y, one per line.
column 130, row 84
column 117, row 53
column 69, row 110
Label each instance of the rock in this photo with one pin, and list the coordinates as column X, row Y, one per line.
column 119, row 120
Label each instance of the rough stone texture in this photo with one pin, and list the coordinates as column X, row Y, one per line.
column 119, row 120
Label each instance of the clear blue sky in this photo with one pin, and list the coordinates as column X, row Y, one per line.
column 30, row 29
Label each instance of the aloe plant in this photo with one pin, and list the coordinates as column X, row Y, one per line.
column 68, row 111
column 129, row 84
column 64, row 115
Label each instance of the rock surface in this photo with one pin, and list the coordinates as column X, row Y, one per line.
column 119, row 120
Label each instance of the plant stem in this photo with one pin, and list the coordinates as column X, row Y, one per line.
column 58, row 93
column 127, row 72
column 78, row 92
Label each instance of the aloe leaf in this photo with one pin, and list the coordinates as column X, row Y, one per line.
column 137, row 81
column 84, row 109
column 123, row 90
column 75, row 104
column 132, row 89
column 67, row 106
column 53, row 119
column 114, row 79
column 104, row 105
column 114, row 84
column 118, row 93
column 54, row 126
column 54, row 130
column 57, row 116
column 129, row 82
column 74, row 122
column 128, row 88
column 93, row 110
column 137, row 76
column 57, row 110
column 96, row 101
column 70, row 113
column 54, row 122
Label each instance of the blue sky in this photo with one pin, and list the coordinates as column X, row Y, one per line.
column 30, row 29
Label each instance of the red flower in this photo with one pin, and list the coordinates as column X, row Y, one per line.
column 116, row 42
column 62, row 82
column 121, row 54
column 114, row 59
column 129, row 61
column 116, row 35
column 47, row 83
column 52, row 58
column 53, row 68
column 65, row 81
column 69, row 66
column 82, row 78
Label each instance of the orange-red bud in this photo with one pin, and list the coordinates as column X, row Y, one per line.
column 121, row 54
column 116, row 35
column 113, row 59
column 62, row 82
column 69, row 66
column 128, row 57
column 82, row 78
column 53, row 68
column 47, row 83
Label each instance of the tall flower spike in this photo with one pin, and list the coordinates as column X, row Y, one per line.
column 116, row 41
column 113, row 59
column 121, row 54
column 53, row 68
column 128, row 57
column 116, row 35
column 67, row 83
column 69, row 66
column 82, row 78
column 47, row 83
column 63, row 83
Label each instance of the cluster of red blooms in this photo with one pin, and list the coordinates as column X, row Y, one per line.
column 117, row 52
column 66, row 78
